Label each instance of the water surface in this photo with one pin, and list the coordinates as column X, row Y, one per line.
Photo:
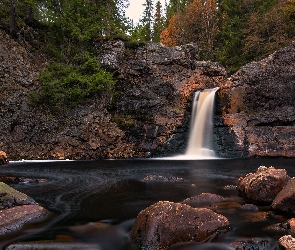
column 113, row 191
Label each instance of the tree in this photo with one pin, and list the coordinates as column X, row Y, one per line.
column 158, row 22
column 12, row 22
column 229, row 40
column 146, row 22
column 197, row 23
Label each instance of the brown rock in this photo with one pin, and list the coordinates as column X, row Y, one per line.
column 165, row 223
column 291, row 225
column 10, row 197
column 14, row 218
column 203, row 199
column 285, row 200
column 3, row 158
column 263, row 185
column 288, row 242
column 259, row 244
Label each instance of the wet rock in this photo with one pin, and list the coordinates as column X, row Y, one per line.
column 107, row 237
column 288, row 242
column 166, row 223
column 285, row 199
column 203, row 199
column 249, row 207
column 11, row 197
column 201, row 246
column 257, row 244
column 291, row 226
column 3, row 158
column 13, row 179
column 161, row 178
column 263, row 185
column 52, row 246
column 14, row 218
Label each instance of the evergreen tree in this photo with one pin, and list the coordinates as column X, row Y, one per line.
column 146, row 23
column 229, row 40
column 158, row 22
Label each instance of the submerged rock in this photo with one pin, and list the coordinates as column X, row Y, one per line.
column 257, row 244
column 166, row 223
column 203, row 199
column 263, row 185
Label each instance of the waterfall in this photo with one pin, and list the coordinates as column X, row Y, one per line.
column 200, row 144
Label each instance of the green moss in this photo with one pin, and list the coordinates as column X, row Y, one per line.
column 123, row 121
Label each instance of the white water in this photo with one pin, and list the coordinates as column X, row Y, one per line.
column 200, row 144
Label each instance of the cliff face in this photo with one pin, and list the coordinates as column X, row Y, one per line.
column 150, row 111
column 258, row 108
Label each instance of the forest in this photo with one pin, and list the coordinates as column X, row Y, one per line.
column 231, row 32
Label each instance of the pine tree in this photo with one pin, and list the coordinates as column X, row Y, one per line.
column 146, row 22
column 158, row 22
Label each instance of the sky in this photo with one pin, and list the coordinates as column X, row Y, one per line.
column 135, row 9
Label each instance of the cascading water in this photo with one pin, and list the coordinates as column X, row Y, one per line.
column 200, row 144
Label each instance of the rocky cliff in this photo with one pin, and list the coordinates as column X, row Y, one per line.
column 257, row 107
column 149, row 113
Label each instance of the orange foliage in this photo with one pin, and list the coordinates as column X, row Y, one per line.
column 197, row 23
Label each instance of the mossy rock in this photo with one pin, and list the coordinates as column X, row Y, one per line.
column 9, row 197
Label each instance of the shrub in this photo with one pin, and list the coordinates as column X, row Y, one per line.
column 66, row 85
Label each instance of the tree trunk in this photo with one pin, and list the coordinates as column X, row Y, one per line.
column 29, row 19
column 12, row 22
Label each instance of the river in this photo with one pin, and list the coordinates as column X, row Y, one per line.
column 113, row 191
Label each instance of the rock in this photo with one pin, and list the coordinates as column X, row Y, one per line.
column 203, row 199
column 288, row 242
column 161, row 178
column 285, row 199
column 166, row 223
column 291, row 226
column 201, row 246
column 263, row 185
column 3, row 158
column 257, row 109
column 52, row 246
column 249, row 207
column 107, row 236
column 10, row 197
column 14, row 218
column 257, row 244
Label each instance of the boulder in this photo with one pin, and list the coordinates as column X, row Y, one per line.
column 3, row 158
column 285, row 199
column 263, row 185
column 10, row 197
column 17, row 209
column 14, row 218
column 288, row 242
column 166, row 223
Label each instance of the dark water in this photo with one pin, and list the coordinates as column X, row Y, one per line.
column 112, row 191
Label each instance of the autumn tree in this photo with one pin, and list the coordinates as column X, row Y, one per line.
column 197, row 23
